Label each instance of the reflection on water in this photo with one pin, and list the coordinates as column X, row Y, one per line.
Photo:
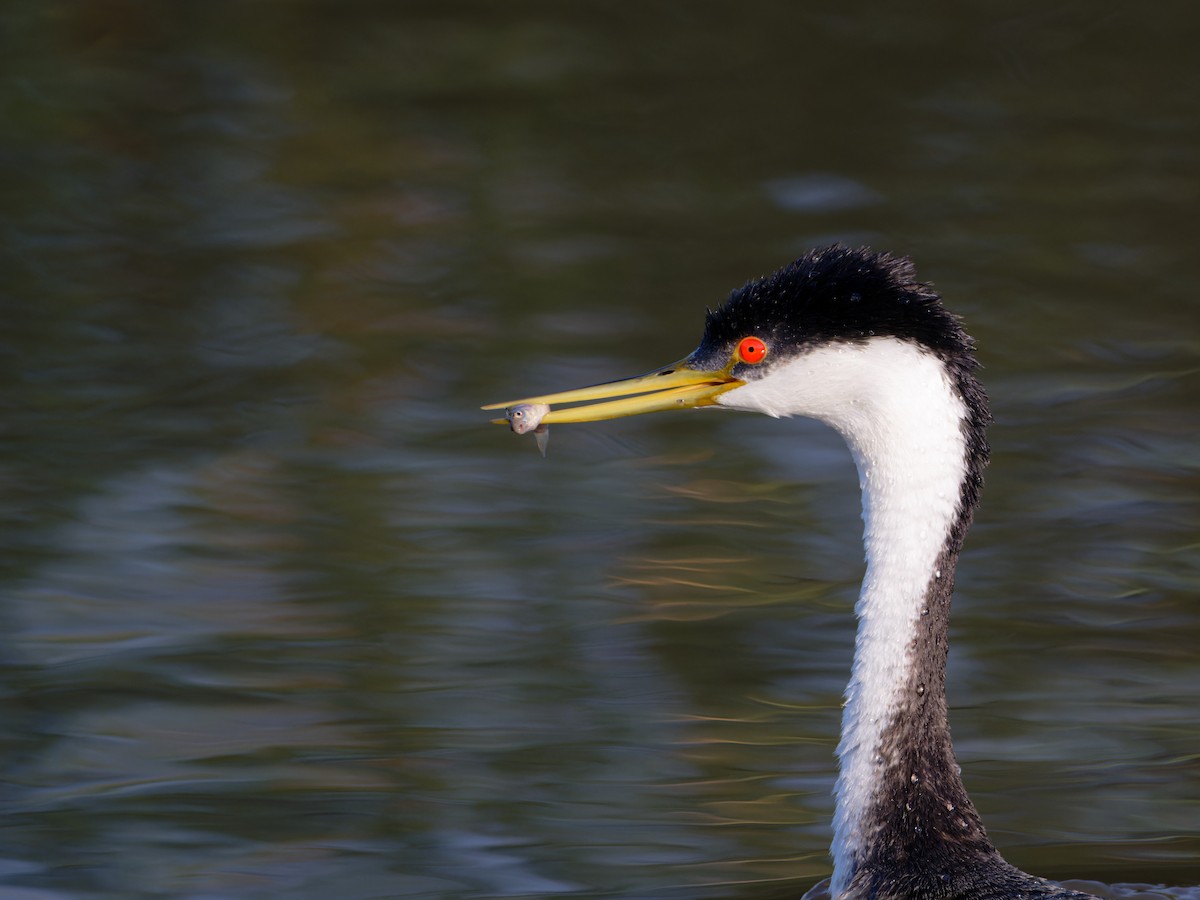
column 281, row 614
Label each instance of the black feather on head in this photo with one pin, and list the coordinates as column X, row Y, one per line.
column 835, row 294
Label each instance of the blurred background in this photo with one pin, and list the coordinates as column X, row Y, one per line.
column 281, row 615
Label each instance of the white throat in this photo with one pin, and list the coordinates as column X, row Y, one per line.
column 902, row 418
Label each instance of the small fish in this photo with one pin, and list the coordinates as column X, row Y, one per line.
column 527, row 417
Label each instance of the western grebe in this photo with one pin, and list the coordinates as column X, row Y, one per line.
column 851, row 338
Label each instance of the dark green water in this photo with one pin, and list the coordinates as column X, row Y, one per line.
column 282, row 616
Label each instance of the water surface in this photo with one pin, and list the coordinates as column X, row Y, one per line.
column 283, row 616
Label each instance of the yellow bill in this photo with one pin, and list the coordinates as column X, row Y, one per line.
column 678, row 386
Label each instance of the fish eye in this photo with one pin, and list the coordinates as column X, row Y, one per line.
column 751, row 350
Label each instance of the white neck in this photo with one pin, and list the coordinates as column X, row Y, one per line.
column 902, row 419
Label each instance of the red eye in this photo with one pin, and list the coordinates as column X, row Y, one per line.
column 751, row 350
